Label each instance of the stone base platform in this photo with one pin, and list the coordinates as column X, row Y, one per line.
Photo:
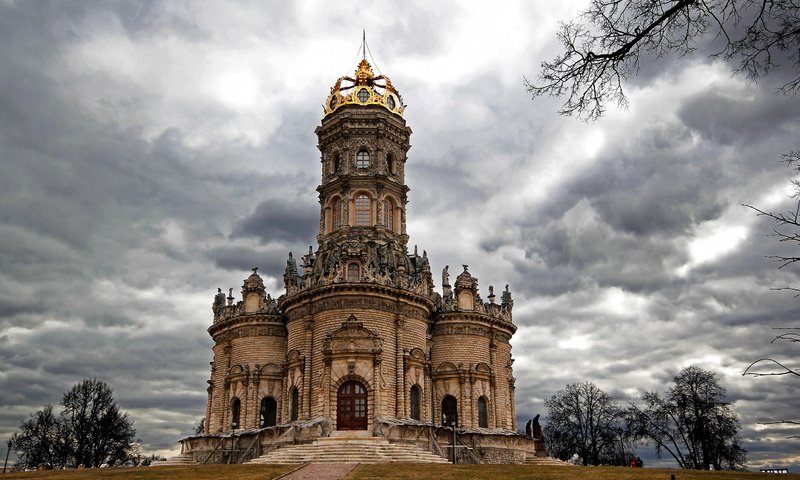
column 390, row 440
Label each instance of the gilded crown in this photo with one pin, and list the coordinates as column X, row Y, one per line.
column 364, row 89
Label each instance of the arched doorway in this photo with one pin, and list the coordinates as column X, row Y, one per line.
column 351, row 407
column 449, row 410
column 269, row 412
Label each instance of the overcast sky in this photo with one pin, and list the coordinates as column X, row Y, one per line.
column 151, row 152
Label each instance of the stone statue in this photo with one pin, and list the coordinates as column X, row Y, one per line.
column 536, row 429
column 219, row 302
column 446, row 276
column 230, row 296
column 528, row 429
column 291, row 264
column 506, row 298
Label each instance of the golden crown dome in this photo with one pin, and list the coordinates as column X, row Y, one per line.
column 364, row 89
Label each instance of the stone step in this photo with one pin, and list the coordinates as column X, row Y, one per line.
column 182, row 459
column 349, row 450
column 550, row 461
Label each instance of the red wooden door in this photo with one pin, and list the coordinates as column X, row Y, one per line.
column 351, row 401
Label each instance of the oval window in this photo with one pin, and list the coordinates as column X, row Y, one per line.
column 363, row 95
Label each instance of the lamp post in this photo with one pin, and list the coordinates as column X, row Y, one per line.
column 7, row 452
column 455, row 458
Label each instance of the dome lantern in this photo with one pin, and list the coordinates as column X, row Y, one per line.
column 364, row 89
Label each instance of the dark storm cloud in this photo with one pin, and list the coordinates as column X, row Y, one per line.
column 271, row 261
column 731, row 119
column 128, row 197
column 279, row 219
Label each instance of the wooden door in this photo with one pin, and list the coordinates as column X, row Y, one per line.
column 351, row 401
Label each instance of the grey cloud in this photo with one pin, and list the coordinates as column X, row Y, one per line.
column 110, row 233
column 279, row 219
column 241, row 259
column 736, row 117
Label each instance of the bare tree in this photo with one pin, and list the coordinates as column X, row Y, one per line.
column 89, row 431
column 99, row 432
column 585, row 420
column 692, row 422
column 607, row 42
column 41, row 440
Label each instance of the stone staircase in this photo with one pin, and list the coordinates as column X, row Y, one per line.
column 532, row 459
column 349, row 450
column 182, row 459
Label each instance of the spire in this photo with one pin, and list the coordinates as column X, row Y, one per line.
column 364, row 44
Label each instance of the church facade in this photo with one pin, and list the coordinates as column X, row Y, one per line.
column 361, row 337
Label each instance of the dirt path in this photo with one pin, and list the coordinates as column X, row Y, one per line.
column 321, row 471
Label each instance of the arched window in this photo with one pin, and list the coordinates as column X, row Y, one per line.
column 353, row 272
column 236, row 407
column 449, row 411
column 269, row 412
column 390, row 164
column 362, row 159
column 388, row 215
column 483, row 412
column 363, row 208
column 415, row 401
column 335, row 164
column 295, row 404
column 336, row 214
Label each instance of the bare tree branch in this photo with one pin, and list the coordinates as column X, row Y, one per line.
column 785, row 370
column 605, row 44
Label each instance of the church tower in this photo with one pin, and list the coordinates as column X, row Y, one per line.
column 359, row 309
column 360, row 340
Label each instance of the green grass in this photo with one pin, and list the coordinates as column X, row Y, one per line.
column 530, row 472
column 199, row 472
column 393, row 471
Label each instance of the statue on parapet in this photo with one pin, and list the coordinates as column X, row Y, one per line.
column 291, row 264
column 219, row 302
column 536, row 428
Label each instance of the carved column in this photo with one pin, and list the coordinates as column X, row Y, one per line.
column 328, row 386
column 307, row 371
column 512, row 393
column 376, row 380
column 471, row 386
column 493, row 380
column 256, row 382
column 399, row 375
column 244, row 406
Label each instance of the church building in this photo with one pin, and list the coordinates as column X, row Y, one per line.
column 361, row 340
